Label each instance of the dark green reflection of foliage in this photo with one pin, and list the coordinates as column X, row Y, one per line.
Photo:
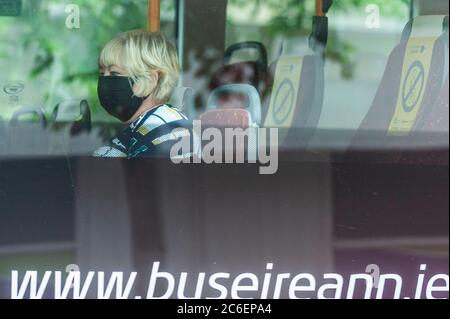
column 77, row 50
column 293, row 18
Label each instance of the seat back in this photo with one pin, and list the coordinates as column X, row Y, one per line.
column 231, row 118
column 296, row 99
column 183, row 99
column 412, row 81
column 432, row 131
column 439, row 118
column 228, row 99
column 235, row 106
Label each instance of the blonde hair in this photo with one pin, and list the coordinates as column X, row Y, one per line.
column 150, row 60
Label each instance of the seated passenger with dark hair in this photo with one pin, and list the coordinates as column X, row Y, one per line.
column 138, row 73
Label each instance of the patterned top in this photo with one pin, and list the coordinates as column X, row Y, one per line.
column 151, row 135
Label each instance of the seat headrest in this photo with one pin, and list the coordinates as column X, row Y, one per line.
column 425, row 26
column 237, row 73
column 247, row 94
column 36, row 112
column 253, row 45
column 74, row 114
column 70, row 111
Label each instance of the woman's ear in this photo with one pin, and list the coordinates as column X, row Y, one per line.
column 146, row 85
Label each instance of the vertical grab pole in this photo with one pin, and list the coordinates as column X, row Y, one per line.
column 154, row 15
column 411, row 9
column 319, row 8
column 319, row 34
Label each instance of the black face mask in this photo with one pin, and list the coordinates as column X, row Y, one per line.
column 117, row 97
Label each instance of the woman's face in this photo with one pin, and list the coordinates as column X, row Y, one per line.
column 118, row 95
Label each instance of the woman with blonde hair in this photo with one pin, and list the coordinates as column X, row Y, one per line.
column 138, row 73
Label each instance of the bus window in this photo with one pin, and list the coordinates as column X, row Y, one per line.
column 51, row 49
column 49, row 59
column 305, row 140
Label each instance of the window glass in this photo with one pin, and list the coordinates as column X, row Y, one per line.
column 52, row 49
column 270, row 141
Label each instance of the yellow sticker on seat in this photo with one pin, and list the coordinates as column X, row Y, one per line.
column 414, row 78
column 284, row 94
